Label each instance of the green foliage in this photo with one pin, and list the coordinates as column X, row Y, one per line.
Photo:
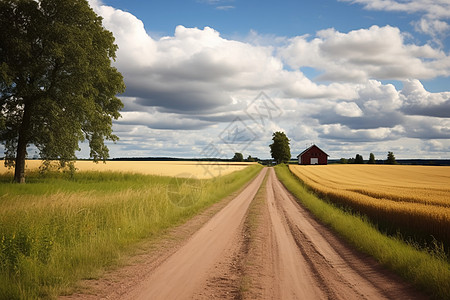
column 371, row 159
column 391, row 159
column 238, row 157
column 429, row 270
column 58, row 229
column 343, row 161
column 359, row 159
column 57, row 85
column 280, row 149
column 251, row 159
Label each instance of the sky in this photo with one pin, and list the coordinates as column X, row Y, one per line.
column 208, row 78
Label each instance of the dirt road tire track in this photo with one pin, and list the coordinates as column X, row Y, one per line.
column 335, row 270
column 186, row 271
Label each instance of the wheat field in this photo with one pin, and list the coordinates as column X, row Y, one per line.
column 189, row 169
column 416, row 198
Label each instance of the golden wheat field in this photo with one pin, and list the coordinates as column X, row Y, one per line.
column 413, row 197
column 194, row 169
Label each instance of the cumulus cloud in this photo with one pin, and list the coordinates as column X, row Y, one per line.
column 436, row 146
column 225, row 7
column 198, row 72
column 418, row 101
column 438, row 30
column 348, row 109
column 158, row 120
column 377, row 52
column 434, row 14
column 427, row 127
column 438, row 9
column 375, row 106
column 342, row 132
column 183, row 90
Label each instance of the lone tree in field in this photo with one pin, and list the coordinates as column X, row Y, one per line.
column 391, row 159
column 57, row 85
column 371, row 159
column 238, row 157
column 280, row 149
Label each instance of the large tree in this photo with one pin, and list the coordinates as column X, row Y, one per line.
column 238, row 157
column 390, row 160
column 57, row 84
column 280, row 149
column 371, row 159
column 359, row 159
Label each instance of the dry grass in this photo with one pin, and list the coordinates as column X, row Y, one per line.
column 415, row 198
column 189, row 169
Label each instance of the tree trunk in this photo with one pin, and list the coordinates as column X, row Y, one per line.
column 19, row 172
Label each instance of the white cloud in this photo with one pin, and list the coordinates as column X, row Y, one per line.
column 436, row 146
column 196, row 71
column 157, row 120
column 374, row 53
column 342, row 132
column 427, row 127
column 437, row 9
column 438, row 30
column 434, row 13
column 348, row 109
column 184, row 89
column 432, row 27
column 225, row 7
column 375, row 105
column 418, row 101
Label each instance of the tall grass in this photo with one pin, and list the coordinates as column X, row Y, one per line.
column 429, row 270
column 56, row 230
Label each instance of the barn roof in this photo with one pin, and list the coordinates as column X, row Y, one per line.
column 310, row 148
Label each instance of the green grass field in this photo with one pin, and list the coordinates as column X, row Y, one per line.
column 56, row 230
column 428, row 269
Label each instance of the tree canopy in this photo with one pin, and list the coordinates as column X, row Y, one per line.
column 359, row 159
column 280, row 149
column 371, row 159
column 238, row 157
column 391, row 158
column 57, row 84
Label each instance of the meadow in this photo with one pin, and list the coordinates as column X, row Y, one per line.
column 409, row 200
column 59, row 228
column 428, row 269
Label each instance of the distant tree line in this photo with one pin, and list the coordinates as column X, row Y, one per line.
column 358, row 159
column 240, row 157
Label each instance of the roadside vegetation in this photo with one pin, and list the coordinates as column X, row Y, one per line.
column 60, row 228
column 428, row 269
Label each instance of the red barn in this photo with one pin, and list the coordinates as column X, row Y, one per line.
column 313, row 156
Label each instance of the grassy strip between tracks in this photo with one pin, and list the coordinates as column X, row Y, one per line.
column 57, row 229
column 428, row 270
column 252, row 222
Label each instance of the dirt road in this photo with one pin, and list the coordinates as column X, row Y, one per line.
column 288, row 255
column 309, row 262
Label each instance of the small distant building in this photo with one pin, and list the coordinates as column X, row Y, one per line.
column 313, row 156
